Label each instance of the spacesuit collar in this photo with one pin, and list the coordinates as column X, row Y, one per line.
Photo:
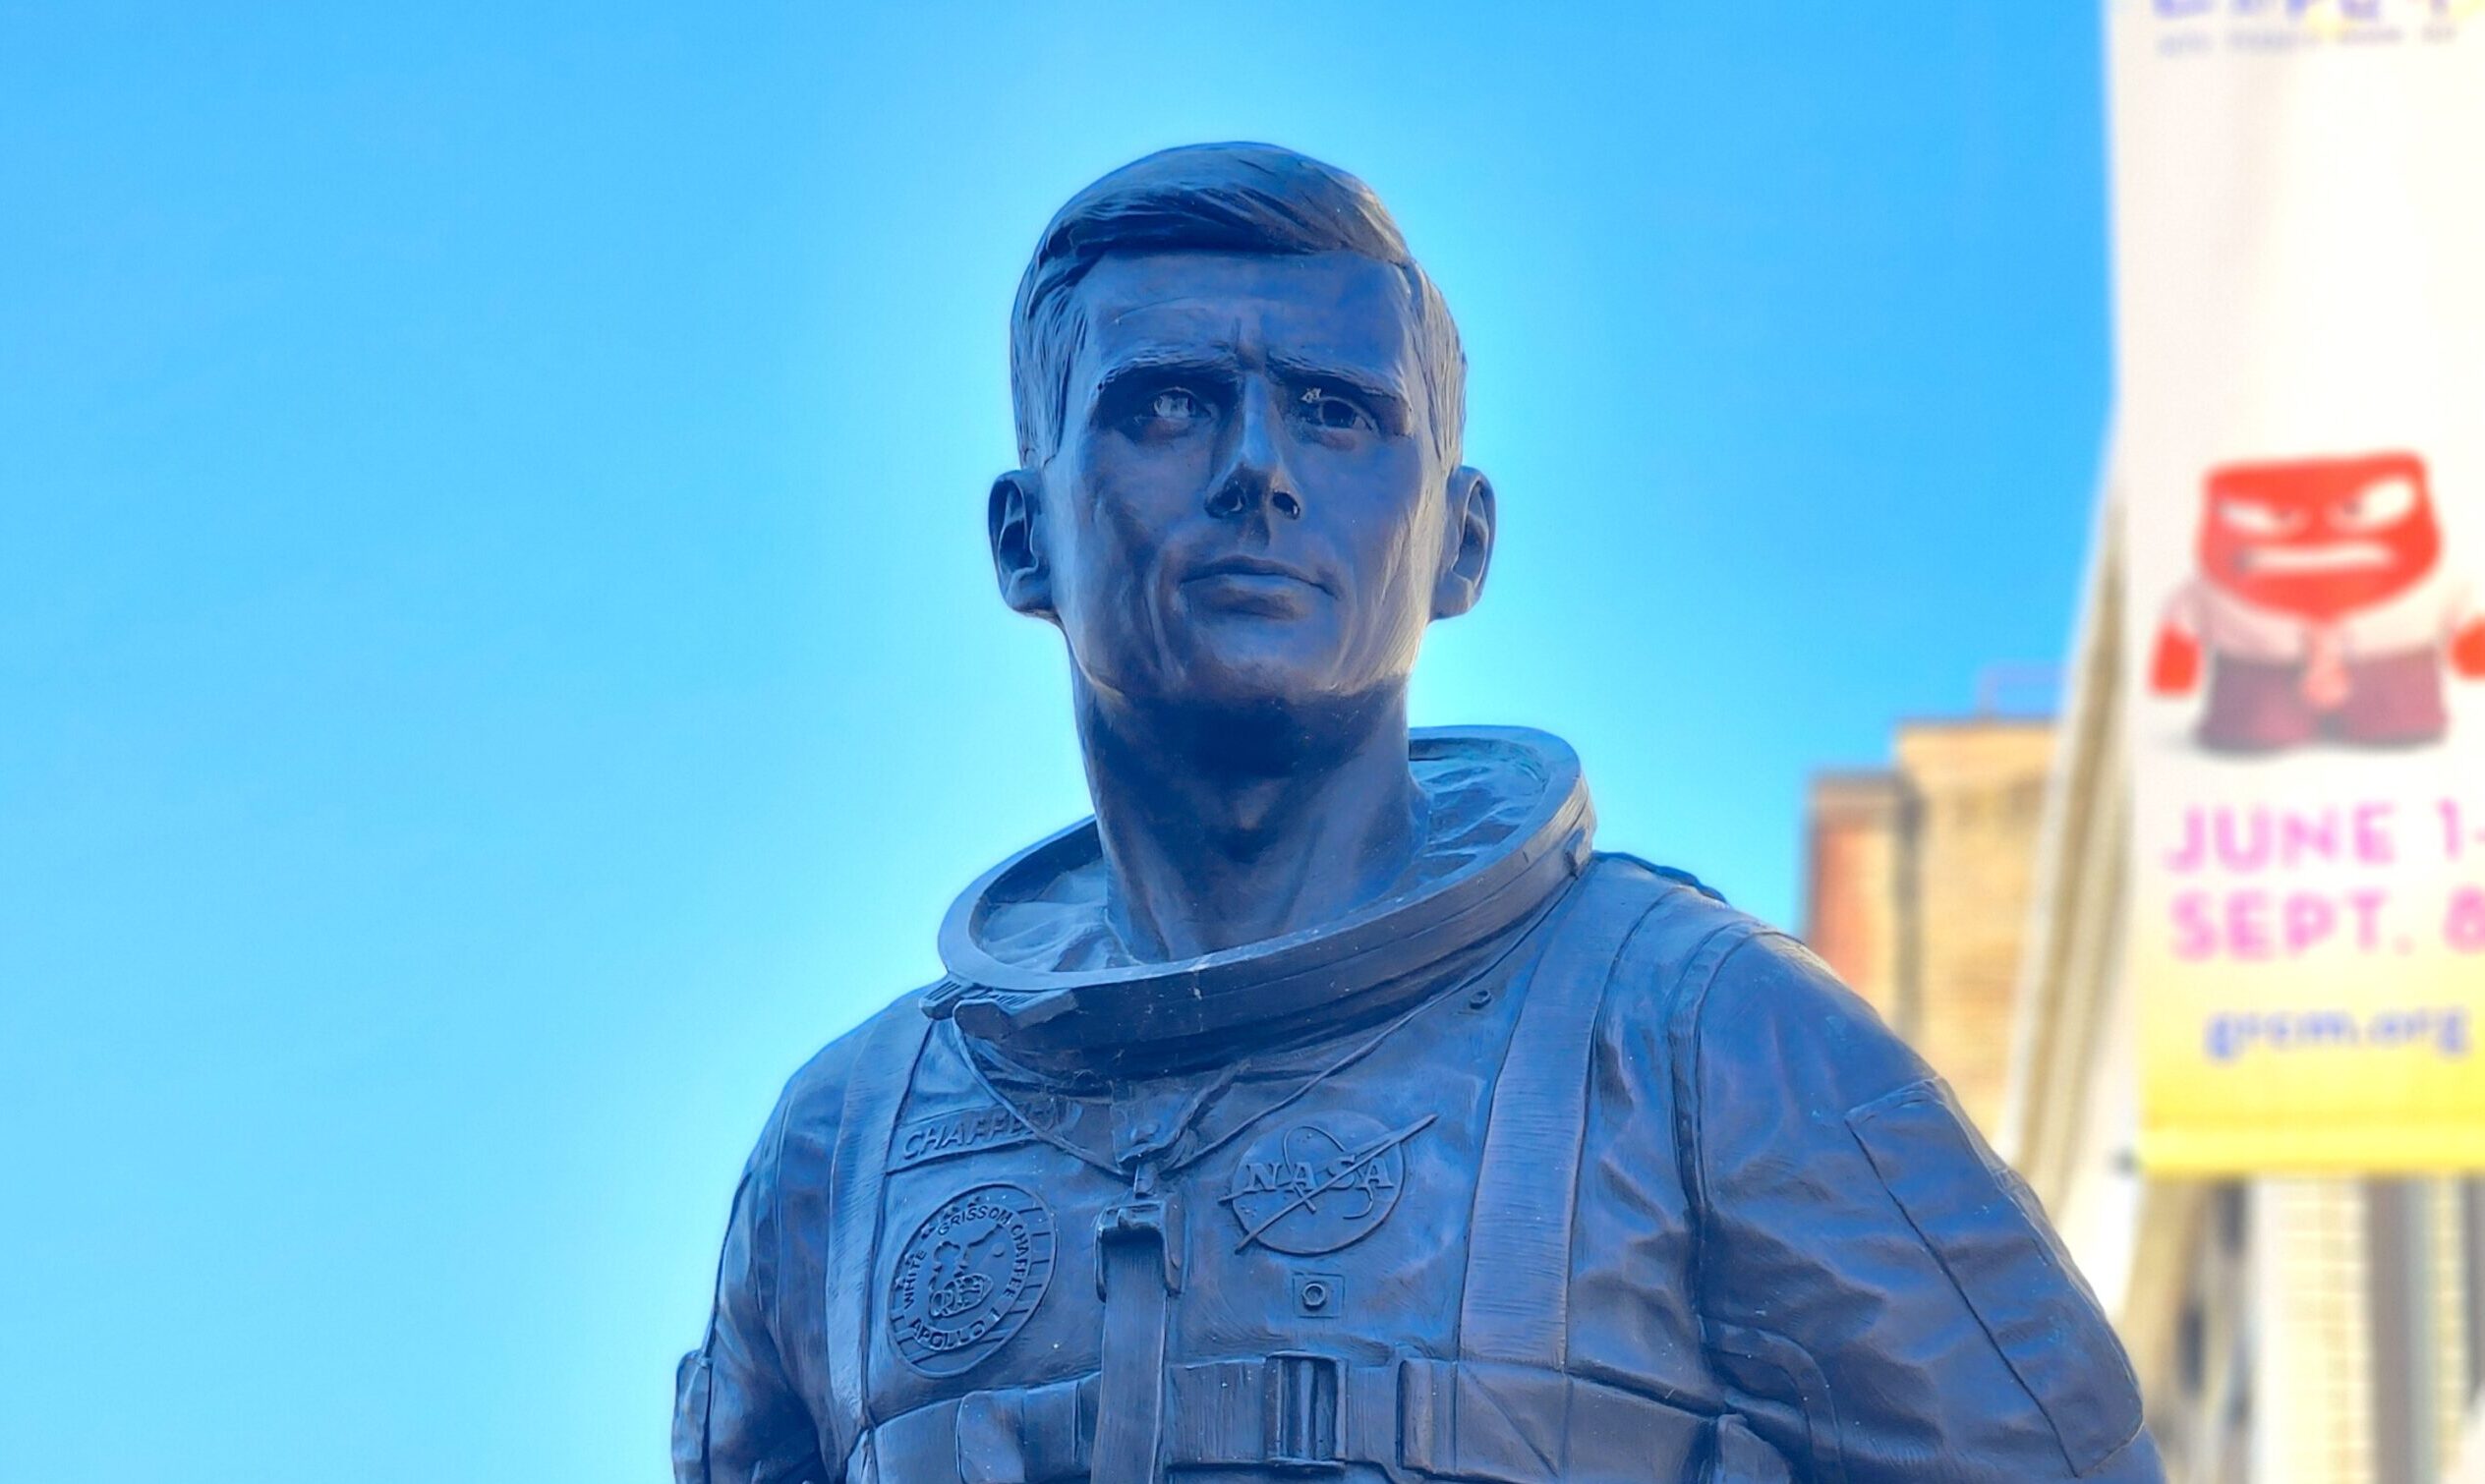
column 1036, row 969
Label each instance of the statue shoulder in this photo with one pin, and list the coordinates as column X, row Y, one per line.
column 802, row 1130
column 1831, row 1175
column 1774, row 1023
column 1743, row 1013
column 801, row 1134
column 1680, row 928
column 1706, row 970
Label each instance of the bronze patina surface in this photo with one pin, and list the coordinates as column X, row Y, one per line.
column 1327, row 1106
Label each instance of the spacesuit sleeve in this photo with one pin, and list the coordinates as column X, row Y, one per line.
column 1882, row 1295
column 737, row 1419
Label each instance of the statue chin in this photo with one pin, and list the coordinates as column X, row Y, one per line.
column 1247, row 687
column 1247, row 680
column 1249, row 660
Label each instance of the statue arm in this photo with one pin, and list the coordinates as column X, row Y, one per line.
column 1880, row 1294
column 738, row 1417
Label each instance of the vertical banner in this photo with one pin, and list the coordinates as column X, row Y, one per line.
column 2299, row 239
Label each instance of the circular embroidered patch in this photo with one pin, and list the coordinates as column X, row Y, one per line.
column 970, row 1277
column 1320, row 1184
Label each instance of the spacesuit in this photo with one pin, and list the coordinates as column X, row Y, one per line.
column 1549, row 1166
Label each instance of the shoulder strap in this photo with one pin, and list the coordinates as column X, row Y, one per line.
column 1686, row 1001
column 875, row 1091
column 1515, row 1308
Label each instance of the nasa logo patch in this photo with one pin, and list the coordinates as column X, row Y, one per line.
column 969, row 1278
column 1314, row 1187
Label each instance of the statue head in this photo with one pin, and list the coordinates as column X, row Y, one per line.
column 1239, row 414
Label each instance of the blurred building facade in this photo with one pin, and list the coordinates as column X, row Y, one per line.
column 1973, row 891
column 2300, row 1329
column 1918, row 883
column 2284, row 1330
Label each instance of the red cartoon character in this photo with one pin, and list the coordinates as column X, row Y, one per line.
column 2317, row 610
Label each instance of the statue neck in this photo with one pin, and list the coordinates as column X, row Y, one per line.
column 1223, row 830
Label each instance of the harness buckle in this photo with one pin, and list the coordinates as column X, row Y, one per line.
column 1154, row 1220
column 1305, row 1394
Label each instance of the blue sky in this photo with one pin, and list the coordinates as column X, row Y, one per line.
column 497, row 659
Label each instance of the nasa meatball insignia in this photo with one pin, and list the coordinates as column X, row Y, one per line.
column 1320, row 1184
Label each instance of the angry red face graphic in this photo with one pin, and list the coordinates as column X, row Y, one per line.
column 2319, row 538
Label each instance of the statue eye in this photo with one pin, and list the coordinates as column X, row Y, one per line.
column 2381, row 503
column 1329, row 410
column 1174, row 405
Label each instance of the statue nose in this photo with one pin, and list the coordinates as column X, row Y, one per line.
column 1255, row 476
column 1238, row 494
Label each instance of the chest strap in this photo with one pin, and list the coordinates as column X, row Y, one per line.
column 1300, row 1413
column 1516, row 1303
column 1139, row 1256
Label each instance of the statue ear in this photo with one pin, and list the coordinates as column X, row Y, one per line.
column 1013, row 519
column 1467, row 543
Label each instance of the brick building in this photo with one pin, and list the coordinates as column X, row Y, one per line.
column 1919, row 888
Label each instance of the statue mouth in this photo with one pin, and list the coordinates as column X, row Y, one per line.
column 1254, row 585
column 1252, row 570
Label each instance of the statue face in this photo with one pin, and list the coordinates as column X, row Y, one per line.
column 1247, row 504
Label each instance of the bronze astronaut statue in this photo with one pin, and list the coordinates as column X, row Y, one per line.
column 1326, row 1106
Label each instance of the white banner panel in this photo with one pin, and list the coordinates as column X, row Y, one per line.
column 2300, row 199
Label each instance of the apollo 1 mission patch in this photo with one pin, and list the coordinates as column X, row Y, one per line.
column 969, row 1278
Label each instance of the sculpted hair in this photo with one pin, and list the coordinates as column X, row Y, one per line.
column 1241, row 198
